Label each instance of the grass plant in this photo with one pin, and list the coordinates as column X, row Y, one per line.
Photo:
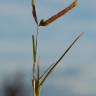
column 39, row 79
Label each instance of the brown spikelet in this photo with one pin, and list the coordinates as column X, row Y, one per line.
column 56, row 16
column 34, row 11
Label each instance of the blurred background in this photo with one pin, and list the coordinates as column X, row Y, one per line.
column 76, row 76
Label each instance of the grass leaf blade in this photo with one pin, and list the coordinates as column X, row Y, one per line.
column 34, row 49
column 48, row 73
column 38, row 69
column 34, row 55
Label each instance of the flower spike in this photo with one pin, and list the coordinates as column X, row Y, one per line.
column 34, row 12
column 59, row 14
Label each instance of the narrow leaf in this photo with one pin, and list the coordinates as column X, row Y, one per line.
column 34, row 12
column 34, row 55
column 48, row 73
column 56, row 16
column 34, row 49
column 38, row 69
column 36, row 39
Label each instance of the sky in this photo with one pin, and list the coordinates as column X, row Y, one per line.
column 76, row 76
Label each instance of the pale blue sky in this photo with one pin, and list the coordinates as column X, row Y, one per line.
column 77, row 76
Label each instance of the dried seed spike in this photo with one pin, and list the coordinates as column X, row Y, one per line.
column 34, row 12
column 59, row 14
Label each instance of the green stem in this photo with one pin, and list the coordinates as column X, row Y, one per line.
column 36, row 88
